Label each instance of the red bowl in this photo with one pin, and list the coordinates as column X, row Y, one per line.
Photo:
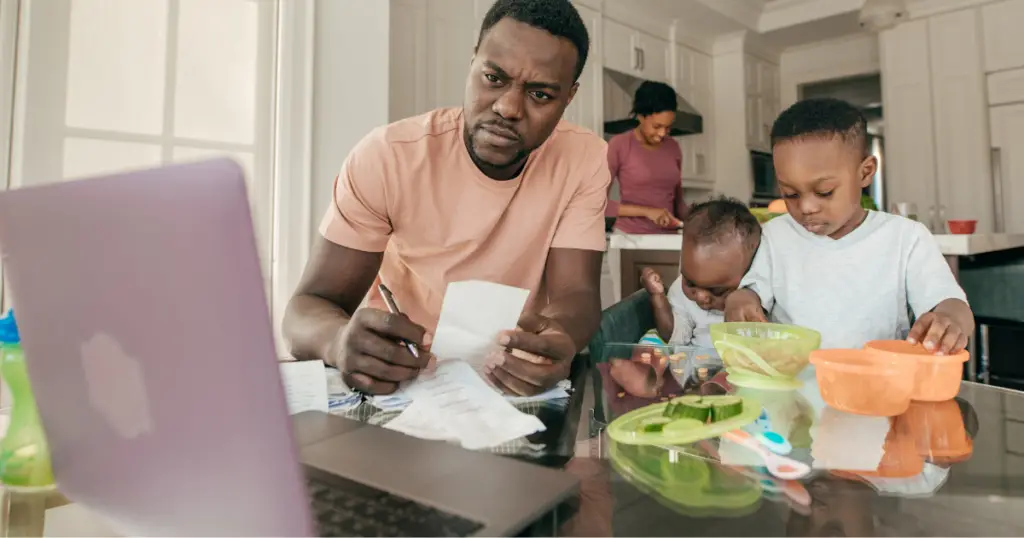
column 962, row 227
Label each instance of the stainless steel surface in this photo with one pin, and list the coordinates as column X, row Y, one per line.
column 999, row 217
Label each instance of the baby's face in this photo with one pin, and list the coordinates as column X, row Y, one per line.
column 710, row 271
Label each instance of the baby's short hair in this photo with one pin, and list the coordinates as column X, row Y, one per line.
column 721, row 219
column 822, row 119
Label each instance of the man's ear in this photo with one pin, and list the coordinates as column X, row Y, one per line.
column 572, row 92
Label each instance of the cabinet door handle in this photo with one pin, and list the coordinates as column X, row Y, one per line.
column 640, row 50
column 999, row 217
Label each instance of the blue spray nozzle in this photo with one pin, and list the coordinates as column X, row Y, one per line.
column 9, row 329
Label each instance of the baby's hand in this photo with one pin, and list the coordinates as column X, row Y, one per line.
column 938, row 333
column 652, row 281
column 744, row 305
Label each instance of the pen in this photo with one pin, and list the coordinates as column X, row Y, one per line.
column 393, row 308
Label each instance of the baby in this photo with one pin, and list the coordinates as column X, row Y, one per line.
column 719, row 240
column 829, row 264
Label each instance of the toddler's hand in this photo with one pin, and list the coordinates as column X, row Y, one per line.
column 938, row 333
column 652, row 281
column 744, row 305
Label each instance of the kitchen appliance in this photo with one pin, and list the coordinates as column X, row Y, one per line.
column 765, row 187
column 688, row 119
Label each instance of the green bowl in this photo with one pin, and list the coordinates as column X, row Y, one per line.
column 764, row 350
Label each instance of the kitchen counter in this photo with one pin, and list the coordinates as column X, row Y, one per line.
column 950, row 245
column 629, row 253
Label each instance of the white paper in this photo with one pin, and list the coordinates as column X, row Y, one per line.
column 473, row 313
column 454, row 403
column 305, row 386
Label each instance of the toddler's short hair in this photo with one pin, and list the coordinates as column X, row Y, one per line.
column 721, row 219
column 823, row 119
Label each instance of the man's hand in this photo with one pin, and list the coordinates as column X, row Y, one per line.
column 662, row 217
column 537, row 356
column 939, row 333
column 370, row 356
column 744, row 305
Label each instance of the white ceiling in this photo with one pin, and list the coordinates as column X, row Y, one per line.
column 781, row 23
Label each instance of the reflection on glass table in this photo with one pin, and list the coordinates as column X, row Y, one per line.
column 913, row 474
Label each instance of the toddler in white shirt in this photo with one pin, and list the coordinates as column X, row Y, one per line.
column 830, row 265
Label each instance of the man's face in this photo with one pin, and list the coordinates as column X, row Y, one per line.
column 821, row 181
column 712, row 270
column 655, row 127
column 519, row 84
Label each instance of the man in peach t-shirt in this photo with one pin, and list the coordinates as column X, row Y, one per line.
column 498, row 190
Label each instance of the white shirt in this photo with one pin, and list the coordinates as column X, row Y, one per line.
column 690, row 322
column 853, row 289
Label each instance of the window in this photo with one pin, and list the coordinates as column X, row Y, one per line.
column 113, row 85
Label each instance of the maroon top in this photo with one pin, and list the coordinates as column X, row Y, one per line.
column 649, row 177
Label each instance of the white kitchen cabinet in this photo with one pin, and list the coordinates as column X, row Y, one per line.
column 1004, row 41
column 936, row 133
column 620, row 51
column 1007, row 136
column 654, row 59
column 632, row 52
column 586, row 108
column 762, row 101
column 1006, row 87
column 909, row 129
column 962, row 158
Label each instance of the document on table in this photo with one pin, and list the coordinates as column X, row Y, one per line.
column 473, row 313
column 454, row 403
column 305, row 386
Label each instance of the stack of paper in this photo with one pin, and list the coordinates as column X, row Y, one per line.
column 453, row 403
column 309, row 386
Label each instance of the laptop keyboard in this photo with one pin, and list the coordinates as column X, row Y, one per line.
column 346, row 508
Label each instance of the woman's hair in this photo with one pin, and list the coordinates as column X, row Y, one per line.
column 653, row 97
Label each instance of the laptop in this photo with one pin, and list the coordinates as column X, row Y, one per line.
column 149, row 344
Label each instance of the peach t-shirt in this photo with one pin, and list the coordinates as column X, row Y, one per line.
column 410, row 190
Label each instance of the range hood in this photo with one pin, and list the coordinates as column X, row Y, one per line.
column 688, row 119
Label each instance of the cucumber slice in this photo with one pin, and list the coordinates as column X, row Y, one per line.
column 682, row 425
column 654, row 424
column 725, row 407
column 691, row 406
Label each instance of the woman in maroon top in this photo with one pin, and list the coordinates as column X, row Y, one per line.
column 648, row 166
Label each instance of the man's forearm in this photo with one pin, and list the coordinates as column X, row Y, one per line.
column 311, row 327
column 579, row 313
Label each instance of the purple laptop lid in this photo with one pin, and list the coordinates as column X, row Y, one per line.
column 149, row 344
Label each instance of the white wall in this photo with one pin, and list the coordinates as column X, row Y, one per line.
column 350, row 95
column 827, row 60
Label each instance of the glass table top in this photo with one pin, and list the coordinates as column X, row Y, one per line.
column 940, row 469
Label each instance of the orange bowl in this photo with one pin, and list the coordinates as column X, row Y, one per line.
column 938, row 376
column 777, row 206
column 864, row 383
column 962, row 227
